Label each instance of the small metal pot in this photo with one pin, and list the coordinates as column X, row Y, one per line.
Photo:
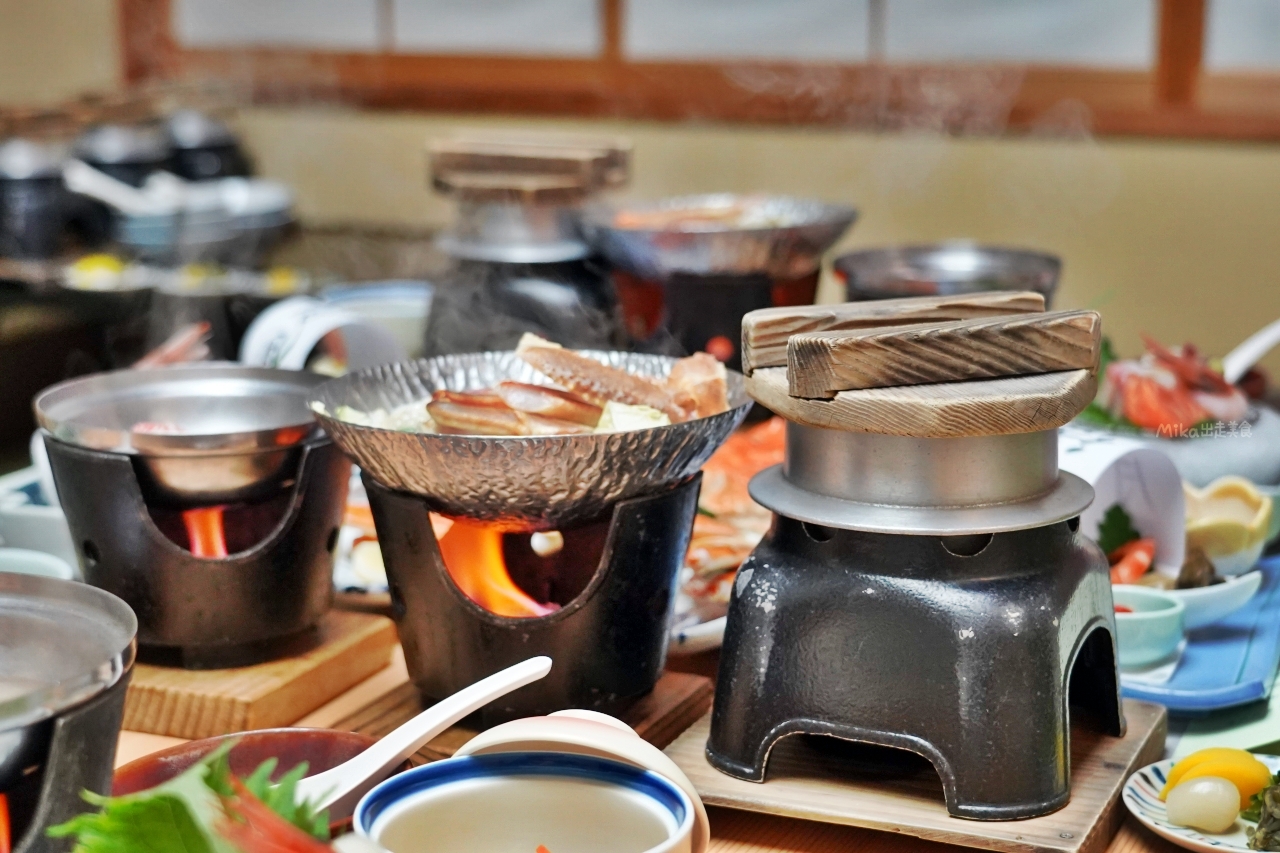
column 241, row 427
column 943, row 269
column 69, row 652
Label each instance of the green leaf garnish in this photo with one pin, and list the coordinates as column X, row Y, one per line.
column 1116, row 529
column 179, row 816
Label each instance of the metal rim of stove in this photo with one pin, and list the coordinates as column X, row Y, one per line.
column 921, row 486
column 1066, row 499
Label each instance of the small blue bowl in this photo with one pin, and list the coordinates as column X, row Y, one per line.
column 1152, row 631
column 519, row 800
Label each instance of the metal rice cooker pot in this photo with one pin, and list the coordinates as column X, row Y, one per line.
column 66, row 655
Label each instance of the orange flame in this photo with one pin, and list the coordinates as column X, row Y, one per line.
column 205, row 531
column 473, row 555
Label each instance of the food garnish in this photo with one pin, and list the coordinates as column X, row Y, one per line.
column 729, row 524
column 1266, row 835
column 1168, row 391
column 204, row 810
column 1209, row 803
column 1120, row 608
column 1131, row 560
column 1116, row 529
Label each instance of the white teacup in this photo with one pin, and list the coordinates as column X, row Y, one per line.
column 518, row 801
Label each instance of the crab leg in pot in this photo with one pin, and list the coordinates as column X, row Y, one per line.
column 600, row 383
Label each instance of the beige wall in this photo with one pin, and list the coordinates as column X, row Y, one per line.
column 1178, row 239
column 53, row 49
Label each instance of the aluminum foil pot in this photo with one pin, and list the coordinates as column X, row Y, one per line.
column 521, row 483
column 788, row 242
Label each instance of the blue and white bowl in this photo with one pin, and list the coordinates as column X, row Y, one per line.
column 520, row 800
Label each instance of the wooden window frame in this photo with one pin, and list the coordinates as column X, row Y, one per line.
column 1175, row 98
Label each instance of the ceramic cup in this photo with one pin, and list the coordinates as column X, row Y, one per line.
column 521, row 800
column 1153, row 630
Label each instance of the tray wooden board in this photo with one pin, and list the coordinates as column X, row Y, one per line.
column 203, row 703
column 677, row 701
column 806, row 783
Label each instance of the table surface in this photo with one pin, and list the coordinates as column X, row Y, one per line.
column 731, row 831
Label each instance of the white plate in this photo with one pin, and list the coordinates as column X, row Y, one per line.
column 1207, row 604
column 1141, row 796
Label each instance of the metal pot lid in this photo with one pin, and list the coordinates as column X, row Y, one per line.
column 216, row 409
column 22, row 159
column 123, row 143
column 194, row 129
column 61, row 643
column 781, row 236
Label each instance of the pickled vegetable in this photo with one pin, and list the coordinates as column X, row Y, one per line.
column 1249, row 777
column 1208, row 803
column 1196, row 758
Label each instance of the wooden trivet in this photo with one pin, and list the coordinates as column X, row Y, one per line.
column 203, row 703
column 811, row 783
column 676, row 701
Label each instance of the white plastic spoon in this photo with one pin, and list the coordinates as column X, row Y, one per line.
column 1246, row 354
column 342, row 787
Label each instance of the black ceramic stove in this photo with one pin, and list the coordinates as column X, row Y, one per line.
column 612, row 583
column 928, row 594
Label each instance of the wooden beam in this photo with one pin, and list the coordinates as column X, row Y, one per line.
column 1171, row 100
column 1180, row 51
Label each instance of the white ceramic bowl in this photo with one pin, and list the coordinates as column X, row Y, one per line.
column 1207, row 604
column 520, row 800
column 1153, row 630
column 24, row 561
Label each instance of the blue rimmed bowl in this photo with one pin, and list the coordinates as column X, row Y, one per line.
column 520, row 800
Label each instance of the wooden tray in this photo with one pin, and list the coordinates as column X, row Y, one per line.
column 808, row 783
column 678, row 700
column 203, row 703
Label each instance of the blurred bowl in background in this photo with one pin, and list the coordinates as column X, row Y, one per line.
column 24, row 561
column 400, row 307
column 944, row 269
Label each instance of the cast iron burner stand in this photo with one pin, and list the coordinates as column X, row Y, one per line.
column 925, row 590
column 253, row 605
column 609, row 643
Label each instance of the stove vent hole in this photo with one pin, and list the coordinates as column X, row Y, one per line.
column 817, row 532
column 91, row 553
column 967, row 546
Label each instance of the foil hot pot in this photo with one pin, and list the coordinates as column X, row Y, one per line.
column 623, row 504
column 153, row 466
column 66, row 655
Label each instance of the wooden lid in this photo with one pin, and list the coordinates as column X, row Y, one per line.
column 1004, row 406
column 528, row 167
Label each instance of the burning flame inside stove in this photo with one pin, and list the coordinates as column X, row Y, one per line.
column 206, row 532
column 473, row 555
